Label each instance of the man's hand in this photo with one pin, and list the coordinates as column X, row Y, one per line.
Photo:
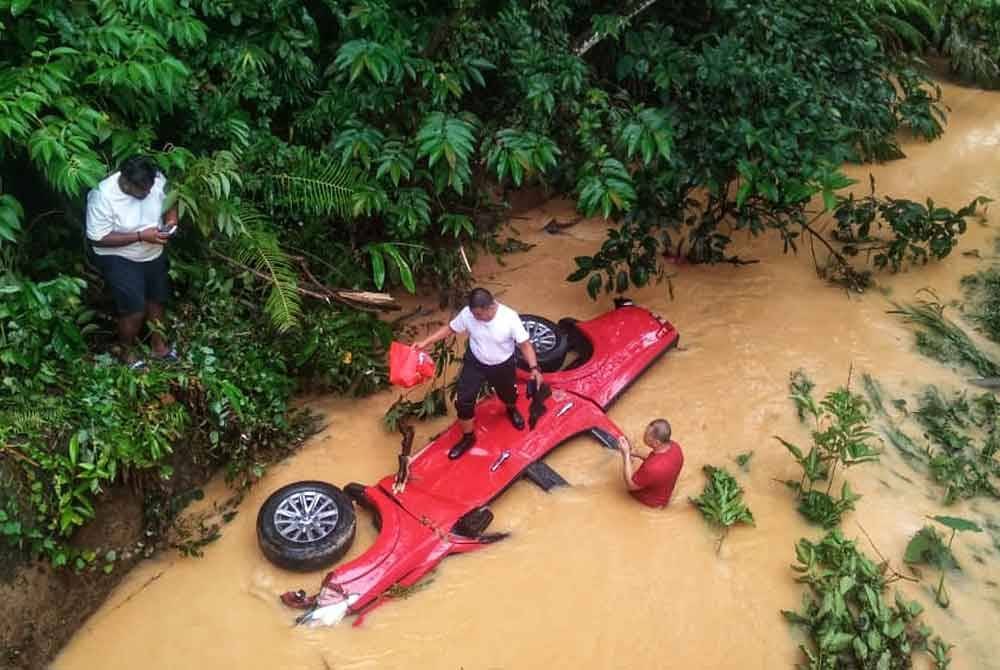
column 421, row 345
column 170, row 218
column 537, row 376
column 624, row 446
column 153, row 236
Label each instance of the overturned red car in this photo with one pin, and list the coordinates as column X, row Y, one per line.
column 443, row 508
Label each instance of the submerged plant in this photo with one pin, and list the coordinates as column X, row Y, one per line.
column 743, row 460
column 982, row 302
column 841, row 437
column 938, row 337
column 846, row 616
column 721, row 503
column 800, row 391
column 928, row 547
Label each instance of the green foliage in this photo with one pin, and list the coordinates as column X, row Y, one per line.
column 982, row 302
column 960, row 439
column 769, row 99
column 823, row 509
column 847, row 619
column 916, row 232
column 927, row 547
column 721, row 503
column 842, row 436
column 11, row 214
column 72, row 425
column 940, row 338
column 970, row 36
column 800, row 388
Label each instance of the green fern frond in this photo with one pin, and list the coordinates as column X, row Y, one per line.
column 319, row 187
column 258, row 248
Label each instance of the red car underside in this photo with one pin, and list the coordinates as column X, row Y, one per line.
column 416, row 525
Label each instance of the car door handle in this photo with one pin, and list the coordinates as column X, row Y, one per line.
column 500, row 460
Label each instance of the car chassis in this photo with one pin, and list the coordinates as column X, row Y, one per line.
column 442, row 509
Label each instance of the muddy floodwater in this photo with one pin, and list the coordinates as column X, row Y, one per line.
column 588, row 578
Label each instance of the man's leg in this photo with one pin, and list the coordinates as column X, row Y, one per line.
column 154, row 317
column 470, row 380
column 125, row 279
column 129, row 326
column 503, row 378
column 157, row 292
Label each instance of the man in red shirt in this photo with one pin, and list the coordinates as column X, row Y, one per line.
column 653, row 483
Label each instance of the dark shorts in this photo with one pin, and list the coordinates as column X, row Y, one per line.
column 133, row 284
column 502, row 377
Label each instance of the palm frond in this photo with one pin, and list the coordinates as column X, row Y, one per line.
column 319, row 186
column 258, row 248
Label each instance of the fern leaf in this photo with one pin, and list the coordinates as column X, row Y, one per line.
column 319, row 187
column 258, row 248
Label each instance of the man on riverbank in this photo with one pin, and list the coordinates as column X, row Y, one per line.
column 495, row 330
column 128, row 230
column 653, row 483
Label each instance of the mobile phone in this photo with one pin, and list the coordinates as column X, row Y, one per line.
column 160, row 227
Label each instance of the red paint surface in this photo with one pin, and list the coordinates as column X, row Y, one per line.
column 416, row 524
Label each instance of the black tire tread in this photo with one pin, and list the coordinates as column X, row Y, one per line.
column 313, row 556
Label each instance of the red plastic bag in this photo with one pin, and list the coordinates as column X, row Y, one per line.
column 408, row 366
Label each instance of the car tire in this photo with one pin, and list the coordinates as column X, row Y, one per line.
column 329, row 533
column 550, row 341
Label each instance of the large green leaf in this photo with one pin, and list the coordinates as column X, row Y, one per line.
column 958, row 523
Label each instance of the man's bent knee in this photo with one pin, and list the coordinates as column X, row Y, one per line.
column 466, row 408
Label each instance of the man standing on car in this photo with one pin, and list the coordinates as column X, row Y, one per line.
column 494, row 332
column 653, row 483
column 128, row 229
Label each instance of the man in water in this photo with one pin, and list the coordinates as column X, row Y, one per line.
column 653, row 483
column 494, row 332
column 124, row 226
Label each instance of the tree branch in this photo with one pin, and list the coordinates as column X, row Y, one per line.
column 595, row 37
column 363, row 300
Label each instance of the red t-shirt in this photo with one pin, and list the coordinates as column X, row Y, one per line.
column 657, row 476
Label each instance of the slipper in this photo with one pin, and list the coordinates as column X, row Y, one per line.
column 137, row 365
column 169, row 357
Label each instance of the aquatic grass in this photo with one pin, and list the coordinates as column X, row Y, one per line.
column 982, row 302
column 940, row 338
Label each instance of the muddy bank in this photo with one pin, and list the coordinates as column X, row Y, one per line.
column 41, row 607
column 587, row 579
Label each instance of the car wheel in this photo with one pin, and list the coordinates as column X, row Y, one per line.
column 549, row 340
column 306, row 526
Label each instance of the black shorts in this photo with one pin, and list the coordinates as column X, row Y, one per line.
column 135, row 283
column 502, row 377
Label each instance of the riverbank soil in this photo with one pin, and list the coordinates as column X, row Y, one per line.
column 588, row 579
column 41, row 608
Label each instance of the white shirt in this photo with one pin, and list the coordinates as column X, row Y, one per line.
column 492, row 342
column 111, row 210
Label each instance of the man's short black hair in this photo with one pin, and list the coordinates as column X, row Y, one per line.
column 140, row 171
column 659, row 429
column 480, row 298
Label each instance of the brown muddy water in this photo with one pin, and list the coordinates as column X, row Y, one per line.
column 588, row 579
